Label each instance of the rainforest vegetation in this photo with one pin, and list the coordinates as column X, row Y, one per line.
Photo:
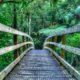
column 39, row 19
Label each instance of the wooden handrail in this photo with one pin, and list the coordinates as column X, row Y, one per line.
column 72, row 70
column 11, row 48
column 48, row 45
column 4, row 28
column 70, row 30
column 7, row 70
column 65, row 47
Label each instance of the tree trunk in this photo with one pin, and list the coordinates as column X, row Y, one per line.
column 29, row 24
column 15, row 37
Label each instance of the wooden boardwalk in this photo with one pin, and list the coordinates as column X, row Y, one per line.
column 38, row 65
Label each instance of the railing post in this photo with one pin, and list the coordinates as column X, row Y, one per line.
column 48, row 41
column 23, row 40
column 28, row 41
column 16, row 54
column 63, row 42
column 55, row 40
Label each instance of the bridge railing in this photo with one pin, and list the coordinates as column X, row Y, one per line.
column 27, row 44
column 51, row 43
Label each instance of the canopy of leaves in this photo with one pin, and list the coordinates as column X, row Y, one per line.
column 49, row 31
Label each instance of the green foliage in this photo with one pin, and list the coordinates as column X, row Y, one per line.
column 74, row 40
column 77, row 11
column 52, row 30
column 6, row 39
column 6, row 59
column 37, row 42
column 47, row 17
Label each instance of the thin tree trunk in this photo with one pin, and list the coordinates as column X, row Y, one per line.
column 29, row 24
column 15, row 37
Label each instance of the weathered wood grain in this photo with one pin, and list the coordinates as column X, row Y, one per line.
column 72, row 71
column 4, row 28
column 7, row 70
column 10, row 48
column 70, row 30
column 65, row 47
column 38, row 65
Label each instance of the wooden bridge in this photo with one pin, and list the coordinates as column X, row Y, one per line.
column 44, row 64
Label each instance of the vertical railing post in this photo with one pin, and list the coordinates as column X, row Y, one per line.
column 63, row 42
column 48, row 41
column 16, row 54
column 15, row 37
column 55, row 40
column 51, row 41
column 27, row 41
column 23, row 40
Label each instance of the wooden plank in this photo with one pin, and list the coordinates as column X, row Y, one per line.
column 50, row 70
column 74, row 50
column 72, row 71
column 70, row 30
column 10, row 48
column 4, row 28
column 7, row 70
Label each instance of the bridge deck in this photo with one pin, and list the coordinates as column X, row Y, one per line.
column 38, row 65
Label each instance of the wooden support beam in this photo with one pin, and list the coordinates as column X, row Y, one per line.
column 49, row 41
column 24, row 38
column 28, row 44
column 23, row 41
column 27, row 41
column 55, row 40
column 63, row 42
column 16, row 53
